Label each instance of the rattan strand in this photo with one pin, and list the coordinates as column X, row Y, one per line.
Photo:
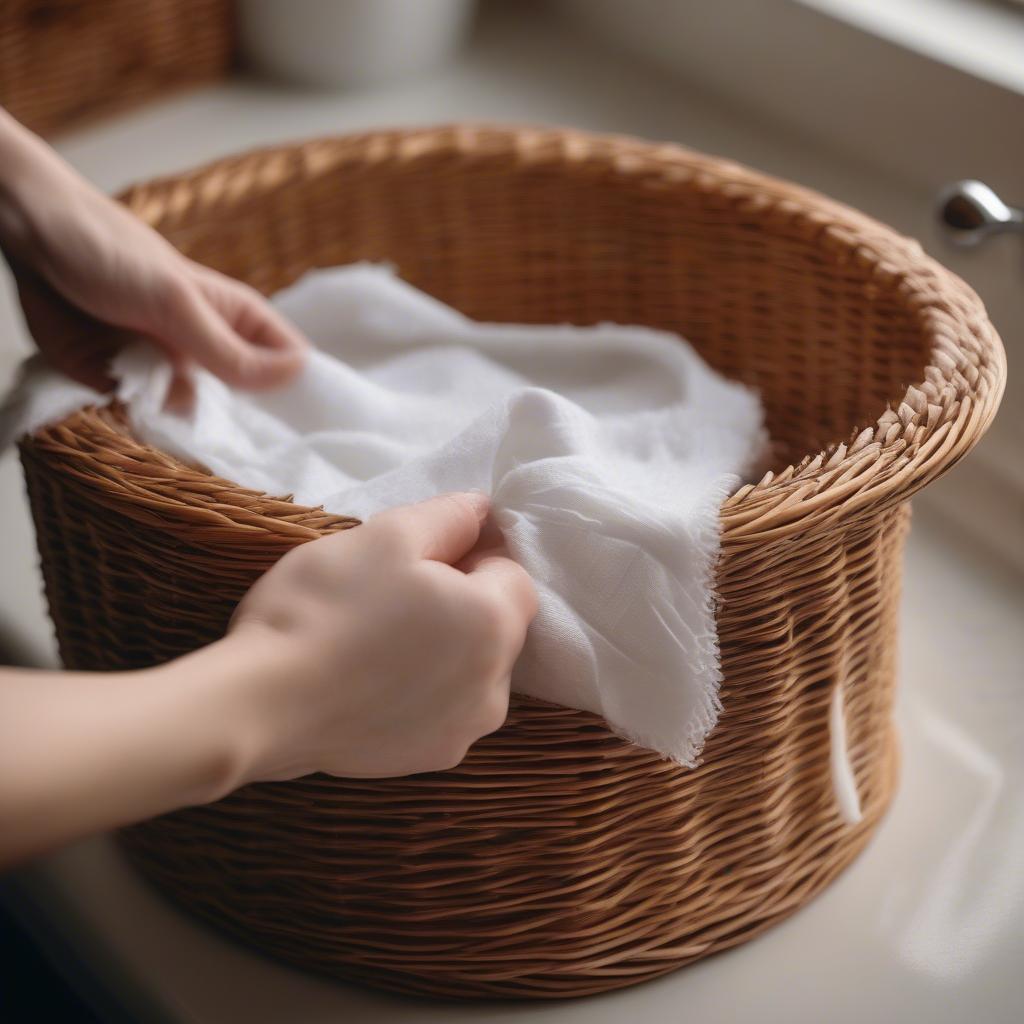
column 557, row 860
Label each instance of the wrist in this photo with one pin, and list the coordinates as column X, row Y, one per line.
column 233, row 687
column 206, row 697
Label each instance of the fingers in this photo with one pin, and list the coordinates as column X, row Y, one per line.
column 507, row 582
column 234, row 335
column 442, row 529
column 258, row 322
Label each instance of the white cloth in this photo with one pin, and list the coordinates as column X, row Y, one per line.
column 607, row 451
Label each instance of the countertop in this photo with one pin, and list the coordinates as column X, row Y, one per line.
column 927, row 924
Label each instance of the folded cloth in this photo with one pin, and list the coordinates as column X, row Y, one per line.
column 607, row 452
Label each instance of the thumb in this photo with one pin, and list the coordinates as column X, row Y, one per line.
column 442, row 529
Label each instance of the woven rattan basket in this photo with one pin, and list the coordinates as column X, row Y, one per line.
column 63, row 62
column 557, row 860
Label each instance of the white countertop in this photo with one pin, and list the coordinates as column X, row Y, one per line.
column 927, row 925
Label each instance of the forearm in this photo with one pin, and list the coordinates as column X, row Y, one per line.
column 20, row 153
column 86, row 752
column 33, row 179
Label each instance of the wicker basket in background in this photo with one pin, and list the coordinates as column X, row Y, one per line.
column 65, row 61
column 558, row 859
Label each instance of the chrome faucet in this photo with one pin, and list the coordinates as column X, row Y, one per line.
column 971, row 212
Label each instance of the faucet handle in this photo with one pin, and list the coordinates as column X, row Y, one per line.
column 971, row 212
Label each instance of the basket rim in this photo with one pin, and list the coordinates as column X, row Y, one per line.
column 914, row 441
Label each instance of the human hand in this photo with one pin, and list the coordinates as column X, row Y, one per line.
column 383, row 650
column 91, row 276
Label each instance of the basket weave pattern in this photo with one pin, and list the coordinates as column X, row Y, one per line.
column 557, row 860
column 65, row 61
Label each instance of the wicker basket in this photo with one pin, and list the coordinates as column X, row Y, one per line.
column 65, row 61
column 558, row 859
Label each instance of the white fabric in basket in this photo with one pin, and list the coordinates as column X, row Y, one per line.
column 607, row 451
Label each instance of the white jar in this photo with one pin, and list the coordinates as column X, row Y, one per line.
column 340, row 43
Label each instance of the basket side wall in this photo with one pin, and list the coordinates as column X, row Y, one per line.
column 557, row 860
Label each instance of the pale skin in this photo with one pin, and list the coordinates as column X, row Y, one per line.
column 384, row 650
